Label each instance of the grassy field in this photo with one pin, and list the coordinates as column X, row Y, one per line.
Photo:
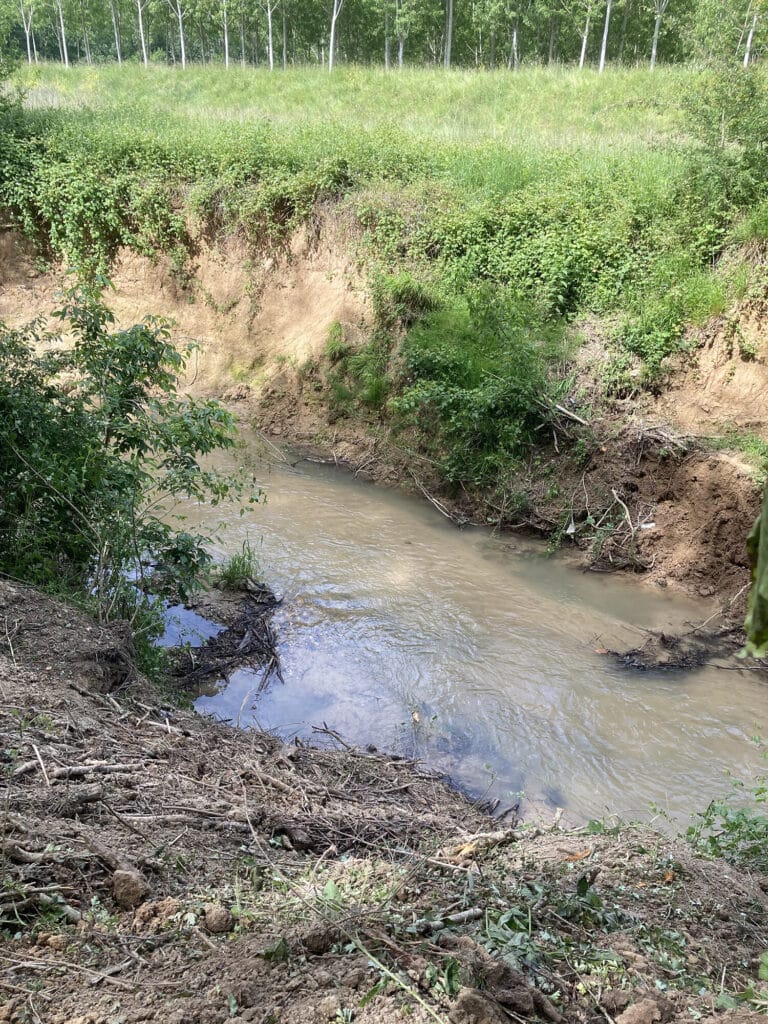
column 488, row 131
column 557, row 108
column 499, row 203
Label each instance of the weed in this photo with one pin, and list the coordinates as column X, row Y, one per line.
column 240, row 567
column 735, row 827
column 337, row 347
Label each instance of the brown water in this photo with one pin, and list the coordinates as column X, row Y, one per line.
column 477, row 654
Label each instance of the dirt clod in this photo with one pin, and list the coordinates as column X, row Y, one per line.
column 129, row 889
column 217, row 919
column 645, row 1012
column 472, row 1007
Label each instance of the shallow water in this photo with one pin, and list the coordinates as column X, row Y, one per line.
column 477, row 654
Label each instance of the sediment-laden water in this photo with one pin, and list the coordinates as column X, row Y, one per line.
column 478, row 654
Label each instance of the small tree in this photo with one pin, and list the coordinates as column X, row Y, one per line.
column 97, row 446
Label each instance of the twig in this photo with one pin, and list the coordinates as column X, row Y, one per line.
column 432, row 500
column 40, row 762
column 571, row 415
column 408, row 989
column 333, row 734
column 426, row 924
column 52, row 965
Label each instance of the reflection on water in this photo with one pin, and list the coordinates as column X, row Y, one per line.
column 477, row 655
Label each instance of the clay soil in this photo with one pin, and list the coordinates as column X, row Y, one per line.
column 159, row 866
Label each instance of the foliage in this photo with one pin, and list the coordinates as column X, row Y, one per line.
column 621, row 214
column 735, row 827
column 487, row 33
column 727, row 112
column 477, row 382
column 97, row 446
column 756, row 625
column 238, row 568
column 400, row 300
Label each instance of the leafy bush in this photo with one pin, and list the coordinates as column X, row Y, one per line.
column 477, row 381
column 239, row 568
column 736, row 827
column 726, row 111
column 97, row 445
column 399, row 300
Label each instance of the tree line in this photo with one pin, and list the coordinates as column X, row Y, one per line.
column 393, row 33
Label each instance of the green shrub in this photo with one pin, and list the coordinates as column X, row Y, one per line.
column 477, row 381
column 235, row 571
column 735, row 827
column 97, row 446
column 399, row 300
column 337, row 347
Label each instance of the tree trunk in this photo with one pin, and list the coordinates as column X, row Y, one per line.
column 585, row 39
column 624, row 24
column 750, row 37
column 140, row 8
column 182, row 44
column 285, row 38
column 225, row 21
column 116, row 29
column 448, row 34
column 655, row 43
column 400, row 51
column 604, row 47
column 553, row 31
column 63, row 36
column 86, row 40
column 57, row 33
column 513, row 63
column 387, row 45
column 270, row 41
column 492, row 50
column 242, row 40
column 27, row 23
column 203, row 47
column 337, row 5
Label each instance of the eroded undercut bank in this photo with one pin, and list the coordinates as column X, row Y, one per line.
column 311, row 351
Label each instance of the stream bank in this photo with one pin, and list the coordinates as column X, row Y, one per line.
column 640, row 487
column 159, row 866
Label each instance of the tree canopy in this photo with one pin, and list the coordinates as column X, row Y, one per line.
column 480, row 33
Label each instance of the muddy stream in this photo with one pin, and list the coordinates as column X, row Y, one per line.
column 477, row 654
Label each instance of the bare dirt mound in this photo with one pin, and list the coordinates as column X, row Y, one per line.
column 725, row 383
column 158, row 866
column 703, row 516
column 244, row 312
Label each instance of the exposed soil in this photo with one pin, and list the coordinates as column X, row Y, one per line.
column 634, row 490
column 159, row 866
column 245, row 314
column 723, row 386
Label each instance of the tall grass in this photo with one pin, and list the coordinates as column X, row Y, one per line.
column 540, row 109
